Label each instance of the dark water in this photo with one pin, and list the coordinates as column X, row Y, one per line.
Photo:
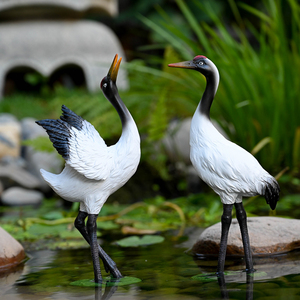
column 166, row 272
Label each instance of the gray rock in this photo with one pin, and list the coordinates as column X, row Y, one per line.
column 268, row 236
column 1, row 188
column 46, row 46
column 36, row 160
column 11, row 251
column 30, row 130
column 55, row 8
column 177, row 140
column 42, row 160
column 20, row 196
column 10, row 136
column 13, row 175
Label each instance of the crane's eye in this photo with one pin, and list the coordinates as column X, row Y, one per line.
column 201, row 63
column 104, row 85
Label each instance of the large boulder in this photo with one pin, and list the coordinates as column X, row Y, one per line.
column 268, row 236
column 11, row 251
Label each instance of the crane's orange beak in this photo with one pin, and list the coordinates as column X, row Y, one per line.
column 114, row 68
column 185, row 64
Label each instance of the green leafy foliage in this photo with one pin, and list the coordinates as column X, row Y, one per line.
column 52, row 227
column 41, row 143
column 259, row 85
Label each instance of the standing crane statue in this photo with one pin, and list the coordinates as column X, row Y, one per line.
column 231, row 171
column 92, row 170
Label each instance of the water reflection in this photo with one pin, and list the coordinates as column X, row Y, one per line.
column 108, row 293
column 166, row 273
column 249, row 290
column 9, row 277
column 267, row 267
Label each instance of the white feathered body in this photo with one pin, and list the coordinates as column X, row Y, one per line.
column 228, row 169
column 94, row 171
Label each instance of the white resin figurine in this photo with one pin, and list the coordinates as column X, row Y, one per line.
column 228, row 169
column 93, row 171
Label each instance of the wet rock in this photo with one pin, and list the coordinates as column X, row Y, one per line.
column 21, row 196
column 10, row 136
column 268, row 236
column 13, row 175
column 11, row 251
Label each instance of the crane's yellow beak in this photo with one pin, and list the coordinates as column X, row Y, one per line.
column 114, row 68
column 185, row 64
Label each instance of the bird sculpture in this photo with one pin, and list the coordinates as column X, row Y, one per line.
column 93, row 171
column 231, row 171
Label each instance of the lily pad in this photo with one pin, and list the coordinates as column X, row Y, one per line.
column 107, row 281
column 53, row 215
column 107, row 225
column 68, row 244
column 135, row 241
column 205, row 277
column 257, row 275
column 213, row 276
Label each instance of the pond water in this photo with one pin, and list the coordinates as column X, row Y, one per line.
column 165, row 270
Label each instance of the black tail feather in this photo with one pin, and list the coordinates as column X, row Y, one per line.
column 272, row 193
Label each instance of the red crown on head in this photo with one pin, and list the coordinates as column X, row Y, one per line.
column 198, row 57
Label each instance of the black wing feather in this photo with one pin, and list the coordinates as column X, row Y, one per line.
column 71, row 118
column 59, row 130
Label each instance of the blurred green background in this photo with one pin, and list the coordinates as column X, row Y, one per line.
column 256, row 47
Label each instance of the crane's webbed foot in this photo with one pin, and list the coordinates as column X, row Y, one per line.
column 109, row 264
column 225, row 222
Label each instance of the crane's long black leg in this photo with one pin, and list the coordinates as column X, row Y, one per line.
column 109, row 264
column 226, row 222
column 92, row 232
column 242, row 219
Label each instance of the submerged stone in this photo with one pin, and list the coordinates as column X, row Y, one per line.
column 268, row 236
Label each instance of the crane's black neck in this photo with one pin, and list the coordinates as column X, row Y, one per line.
column 212, row 82
column 113, row 96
